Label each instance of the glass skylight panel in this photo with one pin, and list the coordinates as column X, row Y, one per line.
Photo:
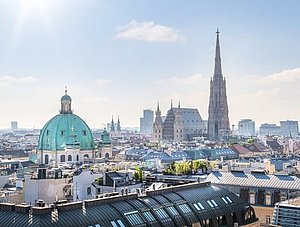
column 164, row 217
column 225, row 201
column 185, row 208
column 201, row 206
column 196, row 206
column 229, row 200
column 173, row 210
column 209, row 202
column 120, row 223
column 214, row 202
column 114, row 224
column 134, row 218
column 149, row 217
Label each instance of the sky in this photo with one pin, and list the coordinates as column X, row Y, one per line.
column 120, row 57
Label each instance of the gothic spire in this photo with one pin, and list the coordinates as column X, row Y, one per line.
column 158, row 110
column 218, row 67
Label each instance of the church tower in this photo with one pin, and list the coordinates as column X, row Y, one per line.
column 157, row 125
column 112, row 124
column 218, row 121
column 179, row 134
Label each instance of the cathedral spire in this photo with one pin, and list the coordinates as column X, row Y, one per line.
column 218, row 120
column 112, row 124
column 158, row 110
column 218, row 67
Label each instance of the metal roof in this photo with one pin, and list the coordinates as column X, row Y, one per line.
column 174, row 206
column 254, row 180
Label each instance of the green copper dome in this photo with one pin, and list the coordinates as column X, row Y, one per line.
column 66, row 129
column 63, row 130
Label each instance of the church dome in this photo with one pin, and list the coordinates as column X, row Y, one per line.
column 66, row 129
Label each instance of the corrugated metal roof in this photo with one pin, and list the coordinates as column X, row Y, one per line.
column 172, row 208
column 255, row 180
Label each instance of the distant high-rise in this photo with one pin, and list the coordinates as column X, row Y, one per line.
column 14, row 125
column 146, row 122
column 218, row 121
column 289, row 128
column 246, row 127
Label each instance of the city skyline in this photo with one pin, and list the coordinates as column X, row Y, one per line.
column 120, row 61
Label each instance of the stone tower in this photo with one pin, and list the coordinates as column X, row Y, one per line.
column 218, row 121
column 179, row 134
column 157, row 125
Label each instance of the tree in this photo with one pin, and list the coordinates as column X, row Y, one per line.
column 138, row 174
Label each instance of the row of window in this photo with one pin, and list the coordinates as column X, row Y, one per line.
column 212, row 203
column 135, row 219
column 268, row 198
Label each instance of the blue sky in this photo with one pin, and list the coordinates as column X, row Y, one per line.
column 120, row 57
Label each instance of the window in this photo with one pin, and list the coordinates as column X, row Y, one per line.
column 268, row 219
column 252, row 198
column 214, row 202
column 149, row 217
column 114, row 224
column 209, row 203
column 196, row 206
column 228, row 199
column 225, row 201
column 163, row 216
column 201, row 206
column 88, row 190
column 62, row 158
column 283, row 196
column 120, row 223
column 134, row 218
column 172, row 210
column 268, row 199
column 185, row 208
column 69, row 158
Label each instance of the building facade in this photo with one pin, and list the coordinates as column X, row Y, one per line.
column 65, row 137
column 218, row 120
column 180, row 124
column 289, row 128
column 246, row 127
column 146, row 122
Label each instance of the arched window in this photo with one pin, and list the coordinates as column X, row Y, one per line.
column 77, row 158
column 69, row 158
column 86, row 156
column 107, row 155
column 62, row 158
column 46, row 159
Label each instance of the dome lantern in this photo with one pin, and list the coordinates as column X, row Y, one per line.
column 66, row 101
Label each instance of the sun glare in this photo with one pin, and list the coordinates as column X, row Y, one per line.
column 40, row 6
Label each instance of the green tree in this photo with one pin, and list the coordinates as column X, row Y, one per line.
column 138, row 174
